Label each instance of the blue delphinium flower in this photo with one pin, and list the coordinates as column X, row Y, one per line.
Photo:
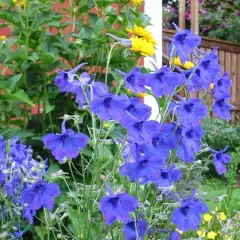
column 189, row 143
column 221, row 108
column 191, row 112
column 164, row 81
column 220, row 159
column 117, row 206
column 66, row 144
column 143, row 169
column 222, row 87
column 143, row 131
column 168, row 177
column 135, row 112
column 66, row 81
column 135, row 230
column 40, row 194
column 161, row 142
column 207, row 72
column 131, row 151
column 188, row 215
column 110, row 106
column 134, row 80
column 184, row 42
column 175, row 236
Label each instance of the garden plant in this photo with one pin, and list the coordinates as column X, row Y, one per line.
column 80, row 155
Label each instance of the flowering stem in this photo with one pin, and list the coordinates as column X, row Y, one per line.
column 108, row 60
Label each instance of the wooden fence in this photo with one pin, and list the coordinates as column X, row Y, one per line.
column 229, row 56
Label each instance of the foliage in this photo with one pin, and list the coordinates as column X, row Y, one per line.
column 218, row 19
column 40, row 42
column 121, row 174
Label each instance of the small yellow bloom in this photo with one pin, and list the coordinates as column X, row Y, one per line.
column 212, row 87
column 137, row 2
column 179, row 231
column 141, row 95
column 201, row 233
column 18, row 3
column 187, row 64
column 211, row 235
column 143, row 46
column 222, row 216
column 207, row 217
column 143, row 33
column 106, row 125
column 2, row 37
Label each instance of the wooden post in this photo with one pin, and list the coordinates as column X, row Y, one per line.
column 195, row 16
column 181, row 14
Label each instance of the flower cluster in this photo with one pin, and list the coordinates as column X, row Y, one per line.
column 148, row 144
column 21, row 181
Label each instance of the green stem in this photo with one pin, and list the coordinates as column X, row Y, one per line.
column 108, row 60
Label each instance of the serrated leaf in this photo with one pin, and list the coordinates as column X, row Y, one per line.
column 19, row 95
column 99, row 26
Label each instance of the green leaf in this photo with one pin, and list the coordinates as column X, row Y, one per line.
column 99, row 26
column 76, row 220
column 19, row 95
column 41, row 232
column 11, row 17
column 47, row 58
column 104, row 152
column 12, row 81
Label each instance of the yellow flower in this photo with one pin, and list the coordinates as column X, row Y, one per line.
column 179, row 231
column 106, row 125
column 137, row 2
column 222, row 216
column 212, row 87
column 207, row 217
column 141, row 95
column 187, row 64
column 143, row 46
column 143, row 33
column 211, row 235
column 18, row 3
column 201, row 233
column 2, row 37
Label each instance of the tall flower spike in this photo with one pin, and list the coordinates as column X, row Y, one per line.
column 117, row 206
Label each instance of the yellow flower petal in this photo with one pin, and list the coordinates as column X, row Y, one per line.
column 201, row 233
column 211, row 86
column 187, row 64
column 222, row 216
column 211, row 235
column 143, row 46
column 207, row 217
column 137, row 2
column 179, row 231
column 2, row 37
column 142, row 33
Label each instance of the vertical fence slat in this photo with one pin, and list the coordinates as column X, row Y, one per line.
column 234, row 83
